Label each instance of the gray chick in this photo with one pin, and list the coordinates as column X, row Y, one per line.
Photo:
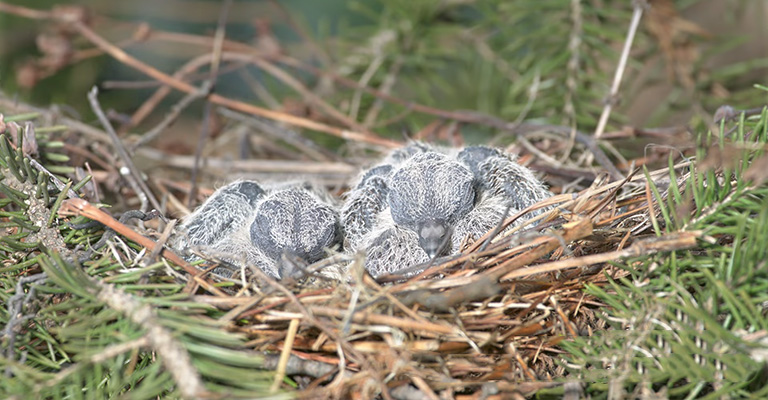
column 402, row 214
column 429, row 194
column 294, row 222
column 368, row 197
column 423, row 202
column 288, row 220
column 391, row 249
column 498, row 175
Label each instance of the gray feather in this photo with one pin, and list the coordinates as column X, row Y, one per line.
column 393, row 249
column 364, row 203
column 502, row 176
column 473, row 156
column 225, row 211
column 244, row 225
column 238, row 250
column 429, row 186
column 294, row 222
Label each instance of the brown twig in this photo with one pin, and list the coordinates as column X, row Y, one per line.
column 84, row 208
column 676, row 241
column 639, row 7
column 131, row 61
column 207, row 89
column 293, row 138
column 133, row 175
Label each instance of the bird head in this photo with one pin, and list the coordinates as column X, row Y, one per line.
column 428, row 194
column 434, row 236
column 474, row 156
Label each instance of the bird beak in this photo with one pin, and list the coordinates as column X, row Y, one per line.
column 433, row 237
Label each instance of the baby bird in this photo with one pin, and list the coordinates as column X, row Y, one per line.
column 245, row 224
column 428, row 195
column 294, row 222
column 423, row 202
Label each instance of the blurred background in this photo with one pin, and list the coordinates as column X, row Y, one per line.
column 361, row 65
column 460, row 54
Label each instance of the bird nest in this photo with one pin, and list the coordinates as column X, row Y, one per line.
column 489, row 320
column 495, row 313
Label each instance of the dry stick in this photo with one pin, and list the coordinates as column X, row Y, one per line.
column 177, row 84
column 278, row 73
column 218, row 40
column 588, row 141
column 639, row 6
column 542, row 246
column 118, row 144
column 162, row 241
column 572, row 68
column 376, row 63
column 310, row 316
column 611, row 195
column 280, row 302
column 270, row 166
column 386, row 86
column 307, row 146
column 259, row 90
column 86, row 209
column 362, row 317
column 675, row 241
column 205, row 128
column 285, row 354
column 424, row 387
column 208, row 88
column 167, row 120
column 463, row 116
column 273, row 70
column 561, row 198
column 469, row 117
column 146, row 108
column 564, row 318
column 154, row 84
column 25, row 12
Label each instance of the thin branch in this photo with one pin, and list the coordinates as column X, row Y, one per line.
column 133, row 176
column 84, row 208
column 639, row 7
column 675, row 241
column 209, row 88
column 131, row 61
column 169, row 119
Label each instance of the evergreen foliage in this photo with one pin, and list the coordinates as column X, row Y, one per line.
column 691, row 324
column 109, row 327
